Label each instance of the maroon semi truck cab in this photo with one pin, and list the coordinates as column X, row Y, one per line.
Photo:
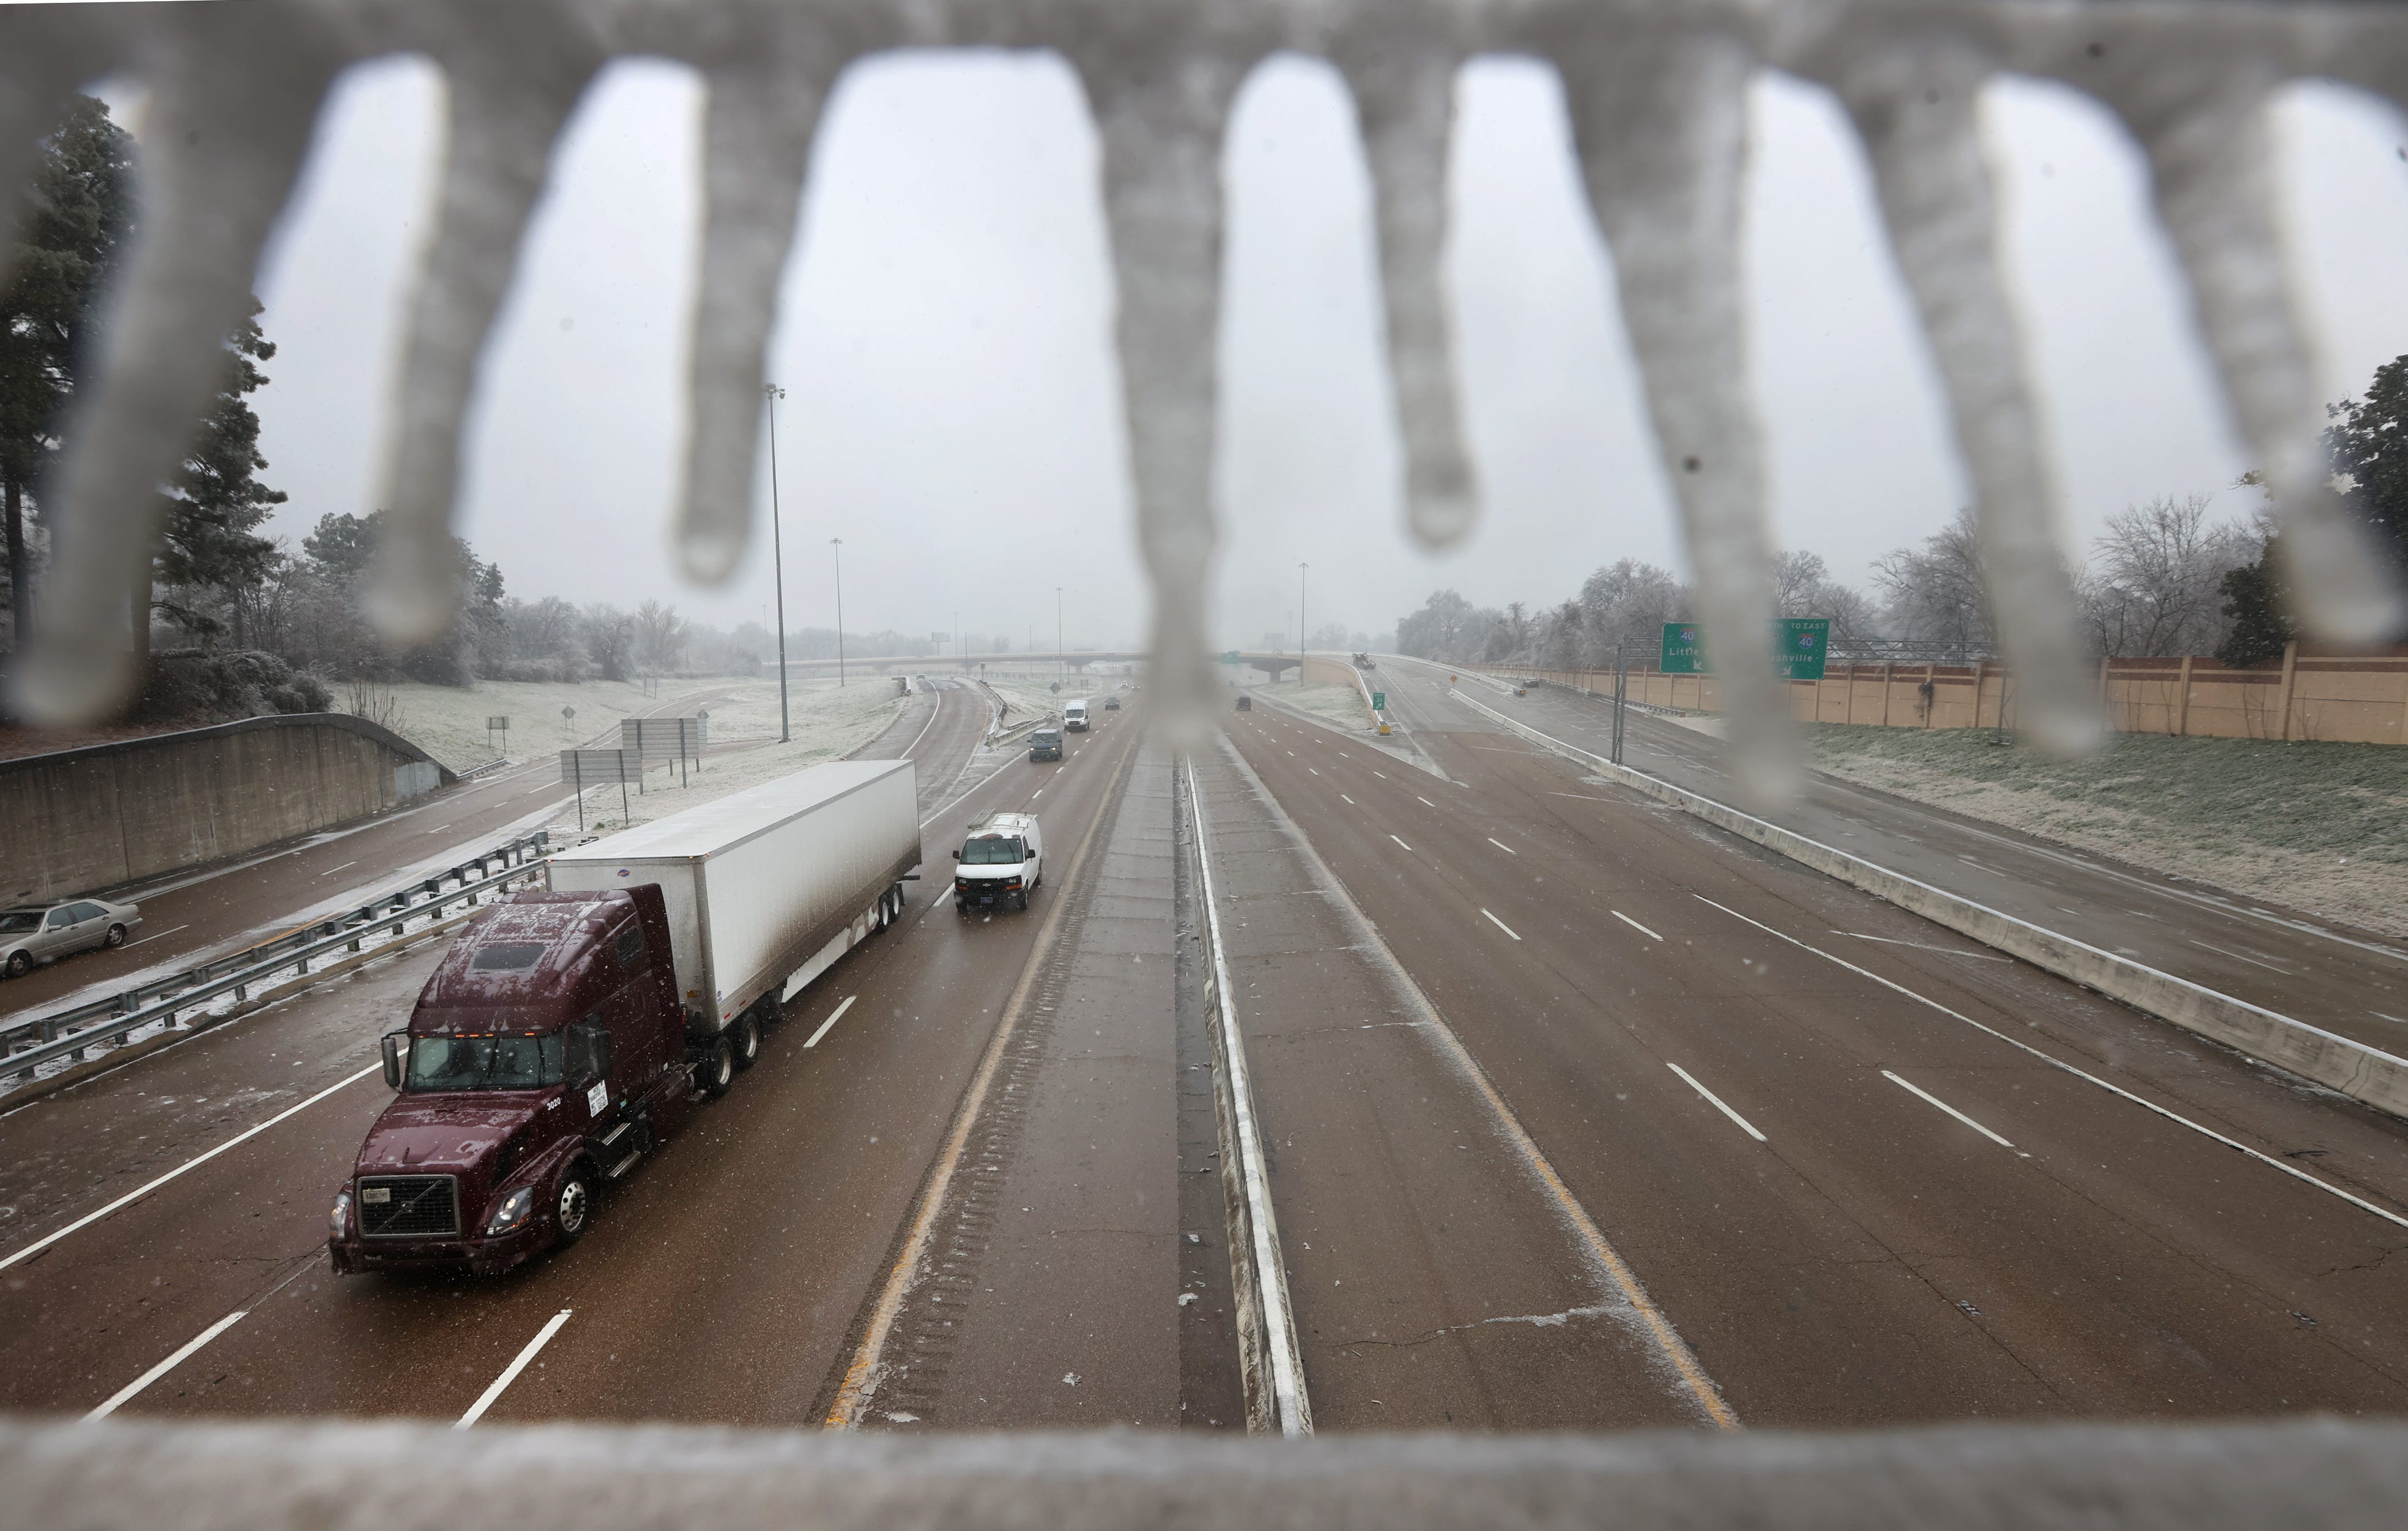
column 544, row 1058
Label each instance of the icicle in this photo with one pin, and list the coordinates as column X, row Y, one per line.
column 2205, row 126
column 1660, row 125
column 1916, row 106
column 1404, row 92
column 1161, row 120
column 758, row 141
column 503, row 121
column 230, row 117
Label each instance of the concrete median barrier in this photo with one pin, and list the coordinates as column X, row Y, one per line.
column 2356, row 1070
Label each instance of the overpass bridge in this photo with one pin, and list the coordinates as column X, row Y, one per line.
column 1076, row 661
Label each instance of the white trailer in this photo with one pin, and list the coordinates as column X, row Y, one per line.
column 766, row 887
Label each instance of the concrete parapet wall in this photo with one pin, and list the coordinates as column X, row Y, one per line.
column 83, row 820
column 1340, row 672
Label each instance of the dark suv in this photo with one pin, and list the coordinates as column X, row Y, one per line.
column 1045, row 744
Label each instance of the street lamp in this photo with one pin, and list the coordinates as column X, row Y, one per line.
column 778, row 560
column 1060, row 663
column 838, row 543
column 1303, row 625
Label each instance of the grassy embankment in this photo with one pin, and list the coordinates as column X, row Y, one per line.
column 2321, row 827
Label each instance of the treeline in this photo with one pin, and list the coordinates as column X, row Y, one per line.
column 242, row 622
column 2161, row 579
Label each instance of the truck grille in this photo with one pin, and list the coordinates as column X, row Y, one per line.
column 413, row 1205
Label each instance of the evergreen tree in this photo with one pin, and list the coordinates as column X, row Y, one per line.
column 80, row 217
column 212, row 543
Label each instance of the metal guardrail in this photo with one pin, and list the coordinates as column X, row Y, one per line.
column 482, row 767
column 163, row 999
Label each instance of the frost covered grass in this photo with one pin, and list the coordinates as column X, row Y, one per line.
column 829, row 720
column 448, row 722
column 2323, row 827
column 1338, row 705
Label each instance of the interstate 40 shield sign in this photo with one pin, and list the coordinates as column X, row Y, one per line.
column 1799, row 644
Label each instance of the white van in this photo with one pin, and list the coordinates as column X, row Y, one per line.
column 1001, row 860
column 1074, row 717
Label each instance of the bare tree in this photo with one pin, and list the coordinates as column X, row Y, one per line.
column 659, row 632
column 2157, row 584
column 1629, row 602
column 1937, row 591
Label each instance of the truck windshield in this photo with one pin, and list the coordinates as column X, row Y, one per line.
column 483, row 1063
column 992, row 851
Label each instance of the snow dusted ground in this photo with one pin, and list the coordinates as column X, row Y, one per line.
column 448, row 722
column 2323, row 827
column 827, row 720
column 1338, row 705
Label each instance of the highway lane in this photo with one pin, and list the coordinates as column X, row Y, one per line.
column 95, row 1309
column 770, row 1217
column 2253, row 948
column 1838, row 1247
column 190, row 916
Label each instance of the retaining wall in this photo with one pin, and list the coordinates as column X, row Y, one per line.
column 81, row 821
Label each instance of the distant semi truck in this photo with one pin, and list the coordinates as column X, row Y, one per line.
column 568, row 1032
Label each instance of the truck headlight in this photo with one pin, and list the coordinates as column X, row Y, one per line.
column 339, row 1221
column 511, row 1212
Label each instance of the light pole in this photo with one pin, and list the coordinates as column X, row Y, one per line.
column 1060, row 663
column 778, row 560
column 838, row 543
column 1303, row 625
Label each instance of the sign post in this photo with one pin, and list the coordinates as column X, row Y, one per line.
column 500, row 723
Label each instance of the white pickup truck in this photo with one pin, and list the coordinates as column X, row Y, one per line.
column 1001, row 860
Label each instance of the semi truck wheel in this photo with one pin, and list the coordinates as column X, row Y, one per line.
column 744, row 1040
column 716, row 1072
column 572, row 1206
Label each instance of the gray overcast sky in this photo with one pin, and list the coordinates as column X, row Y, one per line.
column 953, row 409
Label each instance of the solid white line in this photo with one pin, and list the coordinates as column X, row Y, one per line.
column 1500, row 925
column 1400, row 842
column 1424, row 801
column 1584, row 796
column 344, row 867
column 834, row 1016
column 1502, row 846
column 156, row 934
column 1350, row 801
column 1745, row 1125
column 164, row 1367
column 510, row 1373
column 1634, row 925
column 2058, row 1063
column 1919, row 945
column 2380, row 1016
column 1946, row 1107
column 1278, row 1323
column 132, row 1196
column 2222, row 951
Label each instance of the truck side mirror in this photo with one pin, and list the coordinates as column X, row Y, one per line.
column 957, row 855
column 589, row 1053
column 392, row 1043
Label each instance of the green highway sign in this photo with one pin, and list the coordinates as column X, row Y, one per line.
column 1230, row 658
column 1684, row 648
column 1378, row 701
column 1799, row 646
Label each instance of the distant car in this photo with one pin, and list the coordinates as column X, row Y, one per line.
column 1045, row 744
column 37, row 933
column 1245, row 704
column 1111, row 704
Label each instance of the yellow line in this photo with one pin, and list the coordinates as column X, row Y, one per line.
column 845, row 1413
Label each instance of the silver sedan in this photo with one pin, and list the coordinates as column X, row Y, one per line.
column 39, row 933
